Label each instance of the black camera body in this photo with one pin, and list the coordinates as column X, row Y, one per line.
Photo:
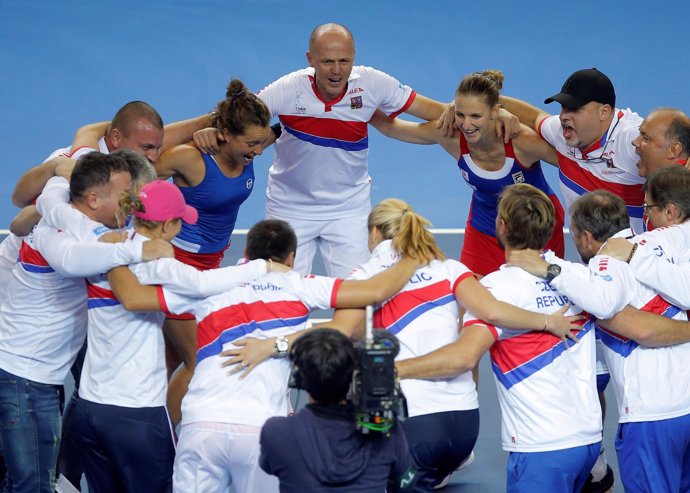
column 375, row 392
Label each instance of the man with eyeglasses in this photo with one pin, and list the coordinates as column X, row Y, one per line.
column 647, row 358
column 593, row 138
column 662, row 257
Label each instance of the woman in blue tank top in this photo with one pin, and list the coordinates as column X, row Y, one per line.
column 216, row 185
column 486, row 163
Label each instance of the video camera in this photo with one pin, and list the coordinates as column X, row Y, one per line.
column 375, row 392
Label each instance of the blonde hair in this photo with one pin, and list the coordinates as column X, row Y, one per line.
column 129, row 202
column 529, row 216
column 397, row 221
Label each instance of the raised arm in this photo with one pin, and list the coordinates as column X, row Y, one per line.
column 414, row 132
column 25, row 220
column 528, row 114
column 181, row 132
column 530, row 148
column 88, row 135
column 603, row 294
column 356, row 294
column 133, row 295
column 475, row 297
column 249, row 352
column 184, row 162
column 426, row 108
column 670, row 280
column 31, row 183
column 648, row 329
column 349, row 321
column 448, row 361
column 188, row 281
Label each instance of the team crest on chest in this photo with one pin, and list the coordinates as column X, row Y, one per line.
column 355, row 102
column 518, row 177
column 250, row 183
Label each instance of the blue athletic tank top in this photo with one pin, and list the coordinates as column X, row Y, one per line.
column 487, row 185
column 218, row 199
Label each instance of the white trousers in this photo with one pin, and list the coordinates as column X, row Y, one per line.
column 342, row 242
column 212, row 456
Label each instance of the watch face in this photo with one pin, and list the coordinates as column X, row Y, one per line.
column 552, row 271
column 281, row 344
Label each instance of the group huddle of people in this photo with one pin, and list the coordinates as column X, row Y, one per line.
column 113, row 272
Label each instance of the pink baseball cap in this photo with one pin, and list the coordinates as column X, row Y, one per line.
column 162, row 200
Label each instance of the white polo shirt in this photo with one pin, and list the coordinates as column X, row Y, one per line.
column 273, row 305
column 320, row 168
column 424, row 317
column 547, row 392
column 611, row 164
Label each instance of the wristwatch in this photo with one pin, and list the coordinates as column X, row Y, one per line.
column 552, row 271
column 281, row 346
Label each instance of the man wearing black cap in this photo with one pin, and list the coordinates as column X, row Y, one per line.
column 593, row 139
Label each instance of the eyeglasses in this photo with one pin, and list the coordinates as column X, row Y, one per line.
column 647, row 206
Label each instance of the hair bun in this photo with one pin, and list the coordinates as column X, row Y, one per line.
column 235, row 89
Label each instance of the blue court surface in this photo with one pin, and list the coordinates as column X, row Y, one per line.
column 70, row 62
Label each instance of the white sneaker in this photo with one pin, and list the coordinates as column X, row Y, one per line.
column 467, row 462
column 463, row 465
column 64, row 486
column 443, row 483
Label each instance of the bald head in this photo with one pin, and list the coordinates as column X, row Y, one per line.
column 664, row 140
column 332, row 55
column 678, row 128
column 332, row 29
column 136, row 126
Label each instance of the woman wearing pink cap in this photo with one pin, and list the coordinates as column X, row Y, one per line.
column 121, row 419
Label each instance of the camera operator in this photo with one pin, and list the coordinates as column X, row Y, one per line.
column 327, row 452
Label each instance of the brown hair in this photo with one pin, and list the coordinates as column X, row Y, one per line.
column 239, row 109
column 397, row 221
column 486, row 84
column 529, row 216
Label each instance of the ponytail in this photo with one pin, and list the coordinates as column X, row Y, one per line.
column 397, row 221
column 127, row 204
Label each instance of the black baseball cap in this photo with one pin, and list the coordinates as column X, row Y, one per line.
column 584, row 86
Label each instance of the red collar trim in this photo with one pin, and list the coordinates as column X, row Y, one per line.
column 327, row 104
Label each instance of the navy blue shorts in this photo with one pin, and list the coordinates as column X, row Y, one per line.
column 602, row 381
column 439, row 442
column 125, row 449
